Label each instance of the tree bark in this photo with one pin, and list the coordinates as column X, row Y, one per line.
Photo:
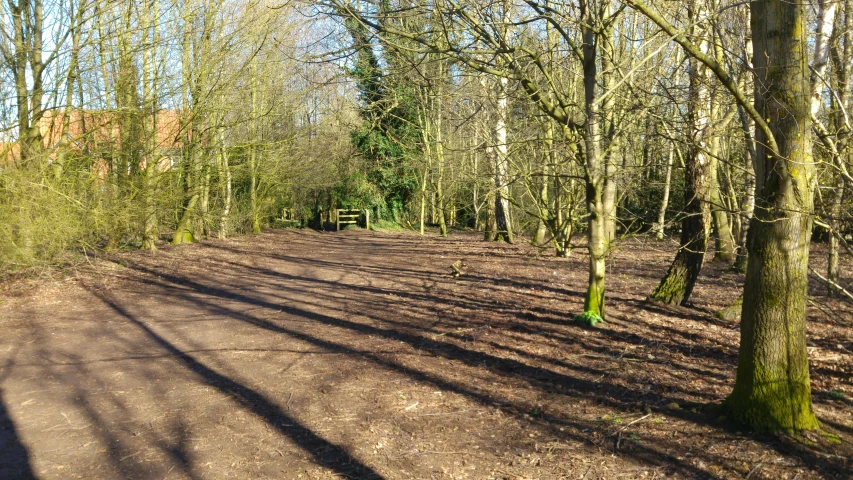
column 772, row 389
column 664, row 203
column 748, row 202
column 597, row 230
column 225, row 175
column 149, row 94
column 677, row 285
column 502, row 218
column 840, row 52
column 724, row 244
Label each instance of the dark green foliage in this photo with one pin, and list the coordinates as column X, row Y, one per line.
column 388, row 139
column 355, row 191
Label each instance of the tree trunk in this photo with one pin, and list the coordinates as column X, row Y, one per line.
column 597, row 245
column 204, row 201
column 772, row 389
column 254, row 208
column 542, row 227
column 840, row 52
column 677, row 285
column 596, row 171
column 439, row 158
column 225, row 175
column 563, row 226
column 423, row 199
column 490, row 228
column 149, row 94
column 664, row 203
column 833, row 272
column 748, row 203
column 723, row 240
column 542, row 202
column 502, row 218
column 183, row 232
column 612, row 133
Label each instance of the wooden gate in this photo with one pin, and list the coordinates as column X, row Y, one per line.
column 349, row 216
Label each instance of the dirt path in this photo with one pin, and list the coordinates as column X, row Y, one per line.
column 300, row 354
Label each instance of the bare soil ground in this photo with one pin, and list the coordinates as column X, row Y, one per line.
column 300, row 354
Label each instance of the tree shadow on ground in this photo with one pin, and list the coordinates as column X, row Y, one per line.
column 14, row 456
column 409, row 323
column 324, row 452
column 538, row 378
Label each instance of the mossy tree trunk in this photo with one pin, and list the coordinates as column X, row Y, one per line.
column 151, row 39
column 677, row 285
column 192, row 119
column 833, row 272
column 612, row 135
column 597, row 245
column 437, row 113
column 490, row 226
column 595, row 175
column 423, row 123
column 225, row 178
column 772, row 389
column 254, row 207
column 563, row 227
column 543, row 202
column 724, row 243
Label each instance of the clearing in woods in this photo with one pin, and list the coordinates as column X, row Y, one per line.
column 299, row 354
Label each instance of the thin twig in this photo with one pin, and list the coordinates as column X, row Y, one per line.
column 755, row 468
column 635, row 421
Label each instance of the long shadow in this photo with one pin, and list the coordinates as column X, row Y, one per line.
column 133, row 358
column 324, row 452
column 397, row 271
column 538, row 329
column 292, row 279
column 536, row 377
column 606, row 394
column 14, row 456
column 648, row 454
column 109, row 414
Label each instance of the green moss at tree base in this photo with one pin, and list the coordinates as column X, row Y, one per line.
column 589, row 319
column 773, row 407
column 183, row 237
column 594, row 300
column 731, row 312
column 672, row 288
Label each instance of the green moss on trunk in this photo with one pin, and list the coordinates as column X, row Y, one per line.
column 183, row 236
column 773, row 403
column 772, row 390
column 677, row 285
column 594, row 300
